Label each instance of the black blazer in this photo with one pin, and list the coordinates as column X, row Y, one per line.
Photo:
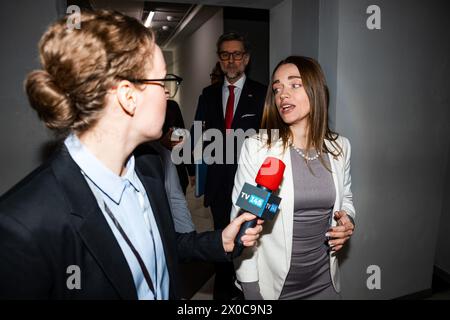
column 51, row 220
column 248, row 115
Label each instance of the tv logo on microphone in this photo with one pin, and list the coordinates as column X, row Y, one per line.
column 272, row 207
column 253, row 200
column 261, row 203
column 256, row 201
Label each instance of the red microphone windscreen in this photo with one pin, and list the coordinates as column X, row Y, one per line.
column 271, row 173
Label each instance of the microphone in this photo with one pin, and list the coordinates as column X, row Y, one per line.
column 260, row 200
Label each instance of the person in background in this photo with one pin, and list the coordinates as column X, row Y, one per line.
column 173, row 121
column 181, row 215
column 235, row 103
column 216, row 76
column 297, row 258
column 94, row 221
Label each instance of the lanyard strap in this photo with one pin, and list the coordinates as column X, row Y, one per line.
column 147, row 277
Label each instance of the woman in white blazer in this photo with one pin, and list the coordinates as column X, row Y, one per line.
column 296, row 255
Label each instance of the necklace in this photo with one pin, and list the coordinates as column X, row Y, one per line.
column 304, row 156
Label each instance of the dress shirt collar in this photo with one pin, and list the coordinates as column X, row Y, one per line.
column 107, row 181
column 238, row 84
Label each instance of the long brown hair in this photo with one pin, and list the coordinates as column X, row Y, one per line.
column 79, row 66
column 316, row 89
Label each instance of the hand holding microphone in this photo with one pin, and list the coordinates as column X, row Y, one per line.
column 250, row 236
column 260, row 200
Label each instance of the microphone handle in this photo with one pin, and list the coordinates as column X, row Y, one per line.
column 238, row 245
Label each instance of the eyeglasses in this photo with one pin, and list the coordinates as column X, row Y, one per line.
column 170, row 83
column 237, row 55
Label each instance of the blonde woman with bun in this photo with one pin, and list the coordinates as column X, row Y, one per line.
column 94, row 222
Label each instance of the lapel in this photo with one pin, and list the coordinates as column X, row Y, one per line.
column 218, row 111
column 337, row 179
column 92, row 226
column 243, row 104
column 286, row 193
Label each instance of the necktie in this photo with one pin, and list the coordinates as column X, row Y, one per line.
column 230, row 108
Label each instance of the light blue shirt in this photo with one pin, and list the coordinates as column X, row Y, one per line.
column 239, row 85
column 127, row 199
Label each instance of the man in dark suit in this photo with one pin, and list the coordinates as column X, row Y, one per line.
column 235, row 103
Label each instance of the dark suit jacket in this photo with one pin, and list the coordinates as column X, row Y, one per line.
column 248, row 115
column 51, row 220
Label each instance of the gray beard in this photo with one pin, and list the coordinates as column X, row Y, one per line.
column 236, row 77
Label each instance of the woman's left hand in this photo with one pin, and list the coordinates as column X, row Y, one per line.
column 342, row 232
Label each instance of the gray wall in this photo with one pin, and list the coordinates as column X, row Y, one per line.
column 22, row 136
column 442, row 261
column 280, row 30
column 328, row 50
column 294, row 28
column 305, row 27
column 194, row 59
column 392, row 101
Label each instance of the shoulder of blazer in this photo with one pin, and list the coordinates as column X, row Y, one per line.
column 256, row 145
column 212, row 90
column 255, row 85
column 343, row 143
column 36, row 196
column 40, row 173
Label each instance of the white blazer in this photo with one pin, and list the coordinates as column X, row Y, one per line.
column 269, row 261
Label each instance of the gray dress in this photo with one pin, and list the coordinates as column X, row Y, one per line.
column 309, row 274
